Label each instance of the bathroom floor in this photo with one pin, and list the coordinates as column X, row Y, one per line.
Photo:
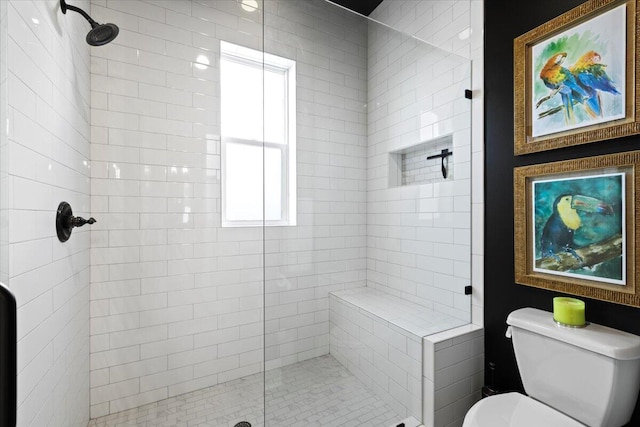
column 316, row 392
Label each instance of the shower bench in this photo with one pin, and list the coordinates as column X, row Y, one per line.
column 423, row 363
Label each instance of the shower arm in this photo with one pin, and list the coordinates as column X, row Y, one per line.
column 64, row 7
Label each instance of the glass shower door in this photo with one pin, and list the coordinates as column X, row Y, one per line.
column 380, row 254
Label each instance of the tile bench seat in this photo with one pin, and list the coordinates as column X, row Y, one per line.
column 379, row 338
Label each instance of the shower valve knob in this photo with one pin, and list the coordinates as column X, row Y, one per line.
column 65, row 221
column 78, row 221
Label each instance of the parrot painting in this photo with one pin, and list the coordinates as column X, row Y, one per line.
column 561, row 79
column 590, row 74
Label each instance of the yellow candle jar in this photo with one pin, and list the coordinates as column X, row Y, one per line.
column 568, row 311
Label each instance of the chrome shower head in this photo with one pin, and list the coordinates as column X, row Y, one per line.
column 100, row 34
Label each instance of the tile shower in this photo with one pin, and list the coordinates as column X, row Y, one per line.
column 157, row 301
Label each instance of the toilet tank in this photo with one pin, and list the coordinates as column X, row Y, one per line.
column 591, row 374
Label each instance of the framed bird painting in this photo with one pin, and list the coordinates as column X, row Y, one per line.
column 576, row 77
column 575, row 227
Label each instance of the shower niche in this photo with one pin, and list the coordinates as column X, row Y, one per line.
column 423, row 163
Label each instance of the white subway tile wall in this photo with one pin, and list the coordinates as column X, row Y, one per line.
column 177, row 301
column 455, row 26
column 477, row 160
column 326, row 251
column 45, row 160
column 4, row 143
column 418, row 236
column 453, row 375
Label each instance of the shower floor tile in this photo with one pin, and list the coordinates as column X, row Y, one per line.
column 317, row 392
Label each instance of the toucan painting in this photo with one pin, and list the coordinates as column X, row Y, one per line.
column 575, row 220
column 565, row 220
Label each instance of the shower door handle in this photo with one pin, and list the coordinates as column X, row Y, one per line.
column 8, row 358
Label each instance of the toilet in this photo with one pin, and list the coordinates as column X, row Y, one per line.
column 573, row 377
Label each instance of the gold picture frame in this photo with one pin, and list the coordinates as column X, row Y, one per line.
column 576, row 77
column 575, row 227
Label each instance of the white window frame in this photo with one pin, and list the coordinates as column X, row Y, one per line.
column 243, row 55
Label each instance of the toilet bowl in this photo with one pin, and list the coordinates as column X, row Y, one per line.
column 573, row 377
column 515, row 410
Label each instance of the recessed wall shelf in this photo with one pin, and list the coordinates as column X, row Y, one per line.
column 410, row 166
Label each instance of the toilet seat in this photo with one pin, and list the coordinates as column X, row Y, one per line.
column 515, row 410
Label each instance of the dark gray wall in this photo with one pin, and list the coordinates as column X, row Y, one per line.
column 506, row 20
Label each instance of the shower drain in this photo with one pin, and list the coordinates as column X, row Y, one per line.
column 243, row 424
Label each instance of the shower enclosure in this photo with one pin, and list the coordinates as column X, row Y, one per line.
column 272, row 241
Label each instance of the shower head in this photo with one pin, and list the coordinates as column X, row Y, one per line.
column 100, row 34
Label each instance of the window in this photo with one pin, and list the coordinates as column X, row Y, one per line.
column 258, row 135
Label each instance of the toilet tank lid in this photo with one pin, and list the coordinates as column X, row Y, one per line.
column 607, row 341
